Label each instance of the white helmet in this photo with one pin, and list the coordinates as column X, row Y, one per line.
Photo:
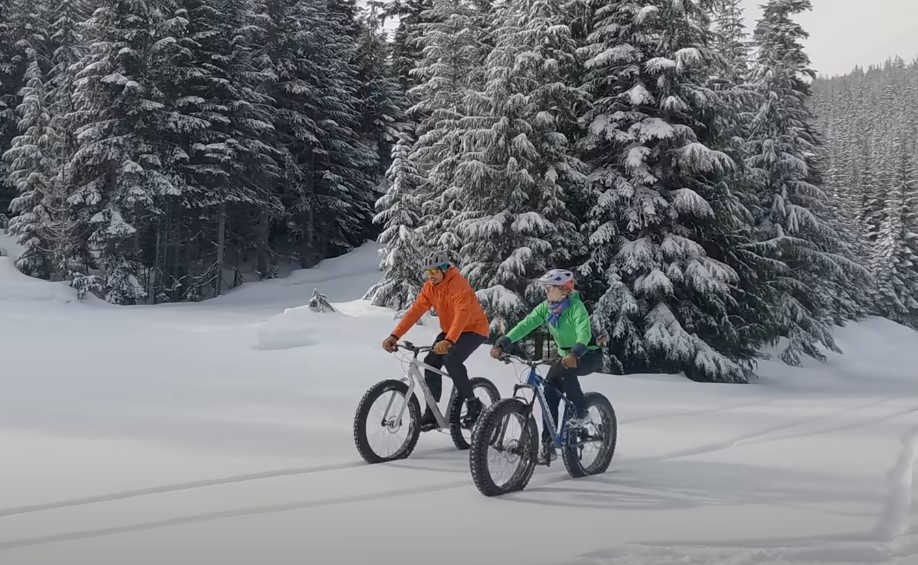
column 437, row 260
column 558, row 277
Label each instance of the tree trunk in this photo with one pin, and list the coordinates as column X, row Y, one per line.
column 221, row 246
column 261, row 244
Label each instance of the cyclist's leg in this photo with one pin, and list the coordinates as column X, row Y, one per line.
column 434, row 380
column 556, row 376
column 589, row 363
column 455, row 361
column 435, row 383
column 455, row 366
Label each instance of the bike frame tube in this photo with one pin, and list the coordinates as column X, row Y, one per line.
column 540, row 385
column 415, row 380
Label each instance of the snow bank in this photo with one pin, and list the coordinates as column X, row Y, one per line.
column 341, row 279
column 877, row 354
column 8, row 247
column 301, row 326
column 16, row 286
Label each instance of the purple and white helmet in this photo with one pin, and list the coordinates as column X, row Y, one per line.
column 557, row 277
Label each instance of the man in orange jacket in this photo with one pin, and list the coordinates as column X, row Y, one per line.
column 464, row 328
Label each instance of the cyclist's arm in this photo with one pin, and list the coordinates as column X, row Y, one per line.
column 412, row 315
column 582, row 329
column 525, row 327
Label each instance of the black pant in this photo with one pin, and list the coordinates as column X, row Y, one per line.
column 460, row 351
column 566, row 381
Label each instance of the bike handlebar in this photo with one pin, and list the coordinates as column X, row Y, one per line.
column 508, row 358
column 412, row 347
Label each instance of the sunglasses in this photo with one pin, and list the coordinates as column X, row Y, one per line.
column 431, row 271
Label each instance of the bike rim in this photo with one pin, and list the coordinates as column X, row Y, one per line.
column 386, row 433
column 509, row 449
column 597, row 428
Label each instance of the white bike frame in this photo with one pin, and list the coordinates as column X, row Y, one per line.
column 415, row 379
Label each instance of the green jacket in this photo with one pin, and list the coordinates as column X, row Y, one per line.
column 574, row 333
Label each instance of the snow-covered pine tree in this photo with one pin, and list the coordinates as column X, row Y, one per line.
column 793, row 217
column 345, row 165
column 399, row 213
column 122, row 168
column 453, row 56
column 897, row 248
column 406, row 43
column 284, row 26
column 730, row 40
column 66, row 48
column 12, row 72
column 382, row 100
column 326, row 187
column 662, row 223
column 230, row 171
column 517, row 171
column 30, row 171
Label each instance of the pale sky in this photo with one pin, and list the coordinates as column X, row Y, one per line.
column 845, row 33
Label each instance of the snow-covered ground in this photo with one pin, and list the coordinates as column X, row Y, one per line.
column 221, row 433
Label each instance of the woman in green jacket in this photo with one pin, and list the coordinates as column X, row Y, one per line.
column 569, row 324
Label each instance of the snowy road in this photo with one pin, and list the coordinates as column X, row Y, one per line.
column 219, row 433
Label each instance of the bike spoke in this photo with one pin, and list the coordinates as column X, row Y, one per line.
column 385, row 432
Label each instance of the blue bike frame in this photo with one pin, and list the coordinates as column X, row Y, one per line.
column 539, row 386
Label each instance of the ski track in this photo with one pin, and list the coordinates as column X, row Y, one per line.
column 844, row 427
column 892, row 526
column 226, row 514
column 728, row 443
column 895, row 519
column 893, row 540
column 719, row 409
column 176, row 487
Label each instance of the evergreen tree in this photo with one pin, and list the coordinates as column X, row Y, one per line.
column 66, row 46
column 30, row 164
column 453, row 53
column 517, row 170
column 793, row 216
column 898, row 246
column 382, row 101
column 345, row 166
column 327, row 183
column 230, row 172
column 12, row 71
column 399, row 213
column 121, row 169
column 662, row 226
column 407, row 49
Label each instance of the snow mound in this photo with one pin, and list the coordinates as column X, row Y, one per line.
column 8, row 247
column 16, row 286
column 295, row 327
column 303, row 326
column 877, row 354
column 341, row 278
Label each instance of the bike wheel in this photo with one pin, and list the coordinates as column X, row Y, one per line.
column 462, row 437
column 603, row 434
column 492, row 434
column 389, row 395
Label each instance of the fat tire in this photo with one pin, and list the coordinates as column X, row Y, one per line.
column 488, row 422
column 360, row 418
column 455, row 431
column 569, row 452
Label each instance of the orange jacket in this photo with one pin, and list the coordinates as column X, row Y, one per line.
column 456, row 305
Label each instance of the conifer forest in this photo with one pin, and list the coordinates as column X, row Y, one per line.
column 714, row 196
